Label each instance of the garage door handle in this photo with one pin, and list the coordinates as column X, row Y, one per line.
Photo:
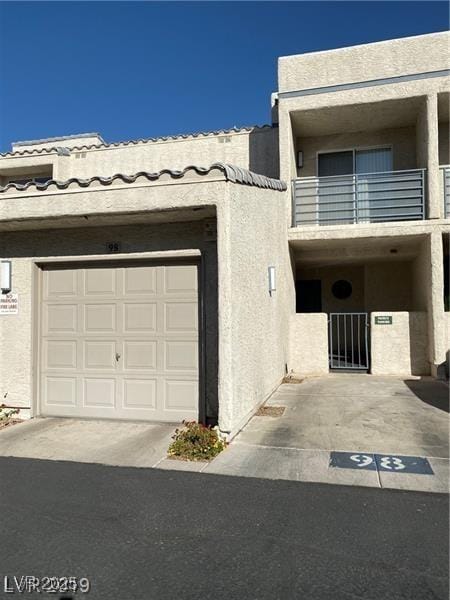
column 117, row 356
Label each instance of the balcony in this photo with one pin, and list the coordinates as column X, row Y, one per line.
column 360, row 198
column 446, row 189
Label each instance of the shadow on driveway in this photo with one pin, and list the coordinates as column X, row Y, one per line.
column 434, row 393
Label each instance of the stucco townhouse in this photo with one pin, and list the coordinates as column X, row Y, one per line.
column 185, row 277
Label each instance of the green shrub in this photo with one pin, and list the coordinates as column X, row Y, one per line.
column 7, row 413
column 195, row 442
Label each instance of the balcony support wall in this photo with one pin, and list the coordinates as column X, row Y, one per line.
column 428, row 296
column 287, row 154
column 437, row 323
column 427, row 131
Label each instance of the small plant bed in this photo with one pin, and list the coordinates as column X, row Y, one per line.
column 195, row 442
column 7, row 416
column 271, row 411
column 292, row 379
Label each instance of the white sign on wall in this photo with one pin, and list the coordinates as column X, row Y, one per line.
column 9, row 304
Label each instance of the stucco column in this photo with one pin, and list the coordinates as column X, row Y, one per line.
column 286, row 152
column 225, row 316
column 428, row 154
column 437, row 333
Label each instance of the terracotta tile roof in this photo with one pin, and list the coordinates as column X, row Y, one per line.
column 231, row 173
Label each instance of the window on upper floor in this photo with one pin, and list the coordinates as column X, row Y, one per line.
column 348, row 162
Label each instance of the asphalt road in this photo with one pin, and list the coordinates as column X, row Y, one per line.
column 156, row 535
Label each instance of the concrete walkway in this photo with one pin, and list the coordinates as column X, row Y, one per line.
column 116, row 443
column 353, row 413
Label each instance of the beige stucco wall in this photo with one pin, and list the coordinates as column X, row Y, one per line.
column 256, row 150
column 11, row 166
column 357, row 99
column 308, row 344
column 76, row 205
column 421, row 274
column 402, row 140
column 254, row 237
column 436, row 301
column 388, row 286
column 329, row 275
column 418, row 54
column 383, row 285
column 428, row 153
column 400, row 348
column 389, row 230
column 428, row 273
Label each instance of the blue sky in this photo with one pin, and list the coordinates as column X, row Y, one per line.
column 143, row 69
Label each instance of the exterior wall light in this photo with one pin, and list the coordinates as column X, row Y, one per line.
column 272, row 282
column 5, row 276
column 300, row 159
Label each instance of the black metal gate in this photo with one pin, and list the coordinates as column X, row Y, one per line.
column 348, row 341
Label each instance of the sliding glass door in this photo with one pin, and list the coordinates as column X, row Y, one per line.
column 349, row 177
column 335, row 193
column 368, row 166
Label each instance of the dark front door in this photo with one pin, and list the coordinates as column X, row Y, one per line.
column 308, row 295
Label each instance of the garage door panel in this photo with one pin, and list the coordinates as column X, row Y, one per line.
column 140, row 280
column 60, row 318
column 181, row 317
column 181, row 355
column 61, row 283
column 99, row 355
column 100, row 317
column 140, row 354
column 60, row 354
column 100, row 282
column 139, row 393
column 139, row 317
column 120, row 342
column 180, row 395
column 99, row 392
column 60, row 391
column 180, row 279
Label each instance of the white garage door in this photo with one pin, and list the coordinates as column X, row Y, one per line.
column 120, row 343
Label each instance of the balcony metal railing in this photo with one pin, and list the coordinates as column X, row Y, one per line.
column 359, row 198
column 446, row 189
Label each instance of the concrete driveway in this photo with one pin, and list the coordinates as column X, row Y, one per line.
column 117, row 443
column 352, row 413
column 348, row 413
column 358, row 412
